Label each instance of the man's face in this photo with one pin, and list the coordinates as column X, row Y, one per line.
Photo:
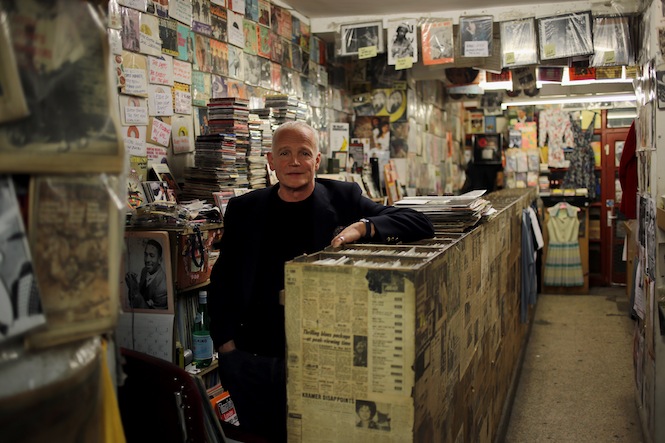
column 295, row 159
column 151, row 259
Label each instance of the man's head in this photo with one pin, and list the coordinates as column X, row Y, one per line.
column 295, row 158
column 152, row 256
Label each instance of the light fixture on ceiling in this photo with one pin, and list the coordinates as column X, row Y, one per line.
column 605, row 98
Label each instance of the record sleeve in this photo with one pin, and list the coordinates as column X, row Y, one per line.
column 566, row 35
column 612, row 45
column 437, row 42
column 518, row 42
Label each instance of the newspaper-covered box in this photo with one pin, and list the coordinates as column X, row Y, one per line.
column 406, row 343
column 351, row 323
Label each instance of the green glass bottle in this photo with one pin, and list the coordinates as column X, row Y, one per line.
column 201, row 341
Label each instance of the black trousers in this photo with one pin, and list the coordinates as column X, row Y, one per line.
column 257, row 386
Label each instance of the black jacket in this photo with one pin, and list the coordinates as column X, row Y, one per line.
column 247, row 222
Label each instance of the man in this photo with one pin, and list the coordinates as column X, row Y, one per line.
column 150, row 291
column 262, row 230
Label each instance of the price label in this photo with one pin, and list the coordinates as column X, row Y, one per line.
column 403, row 63
column 510, row 58
column 609, row 57
column 367, row 52
column 550, row 50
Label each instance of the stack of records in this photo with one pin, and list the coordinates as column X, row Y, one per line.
column 256, row 160
column 285, row 108
column 451, row 214
column 230, row 116
column 215, row 170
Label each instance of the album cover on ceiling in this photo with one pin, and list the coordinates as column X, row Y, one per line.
column 437, row 41
column 612, row 45
column 518, row 42
column 566, row 35
column 476, row 34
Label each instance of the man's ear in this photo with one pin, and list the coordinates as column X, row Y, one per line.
column 270, row 161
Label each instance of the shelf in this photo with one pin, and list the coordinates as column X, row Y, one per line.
column 193, row 287
column 191, row 369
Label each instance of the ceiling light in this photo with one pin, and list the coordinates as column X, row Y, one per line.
column 572, row 99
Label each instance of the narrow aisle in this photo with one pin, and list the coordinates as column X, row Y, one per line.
column 577, row 382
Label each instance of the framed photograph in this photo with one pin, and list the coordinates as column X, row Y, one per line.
column 361, row 35
column 566, row 35
column 487, row 149
column 518, row 42
column 146, row 278
column 12, row 101
column 72, row 124
column 402, row 42
column 75, row 227
column 342, row 156
column 476, row 36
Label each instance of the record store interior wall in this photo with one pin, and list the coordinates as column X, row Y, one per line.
column 167, row 72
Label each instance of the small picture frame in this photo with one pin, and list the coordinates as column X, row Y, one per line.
column 342, row 156
column 566, row 35
column 146, row 278
column 361, row 35
column 487, row 149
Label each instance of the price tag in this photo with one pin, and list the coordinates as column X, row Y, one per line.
column 403, row 63
column 367, row 52
column 550, row 50
column 609, row 57
column 510, row 58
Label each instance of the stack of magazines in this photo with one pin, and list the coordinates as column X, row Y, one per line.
column 451, row 214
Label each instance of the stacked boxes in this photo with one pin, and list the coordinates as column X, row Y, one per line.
column 422, row 338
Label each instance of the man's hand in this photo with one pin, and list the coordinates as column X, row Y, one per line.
column 227, row 347
column 351, row 233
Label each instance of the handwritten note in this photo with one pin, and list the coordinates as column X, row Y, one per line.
column 161, row 132
column 367, row 52
column 134, row 139
column 183, row 102
column 160, row 70
column 510, row 58
column 160, row 100
column 403, row 63
column 136, row 115
column 156, row 153
column 136, row 81
column 476, row 49
column 182, row 72
column 181, row 10
column 182, row 134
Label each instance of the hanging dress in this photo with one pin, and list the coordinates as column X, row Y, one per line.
column 554, row 130
column 563, row 266
column 582, row 169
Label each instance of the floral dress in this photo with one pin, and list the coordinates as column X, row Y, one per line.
column 581, row 172
column 554, row 128
column 563, row 266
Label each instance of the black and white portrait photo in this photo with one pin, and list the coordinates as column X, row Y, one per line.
column 402, row 41
column 147, row 272
column 362, row 35
column 20, row 302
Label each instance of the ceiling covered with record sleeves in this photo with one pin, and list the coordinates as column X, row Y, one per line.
column 326, row 15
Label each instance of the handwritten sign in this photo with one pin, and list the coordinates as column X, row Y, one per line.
column 183, row 102
column 160, row 70
column 136, row 115
column 367, row 52
column 136, row 82
column 182, row 72
column 476, row 49
column 156, row 153
column 182, row 134
column 134, row 139
column 161, row 132
column 403, row 63
column 181, row 10
column 160, row 100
